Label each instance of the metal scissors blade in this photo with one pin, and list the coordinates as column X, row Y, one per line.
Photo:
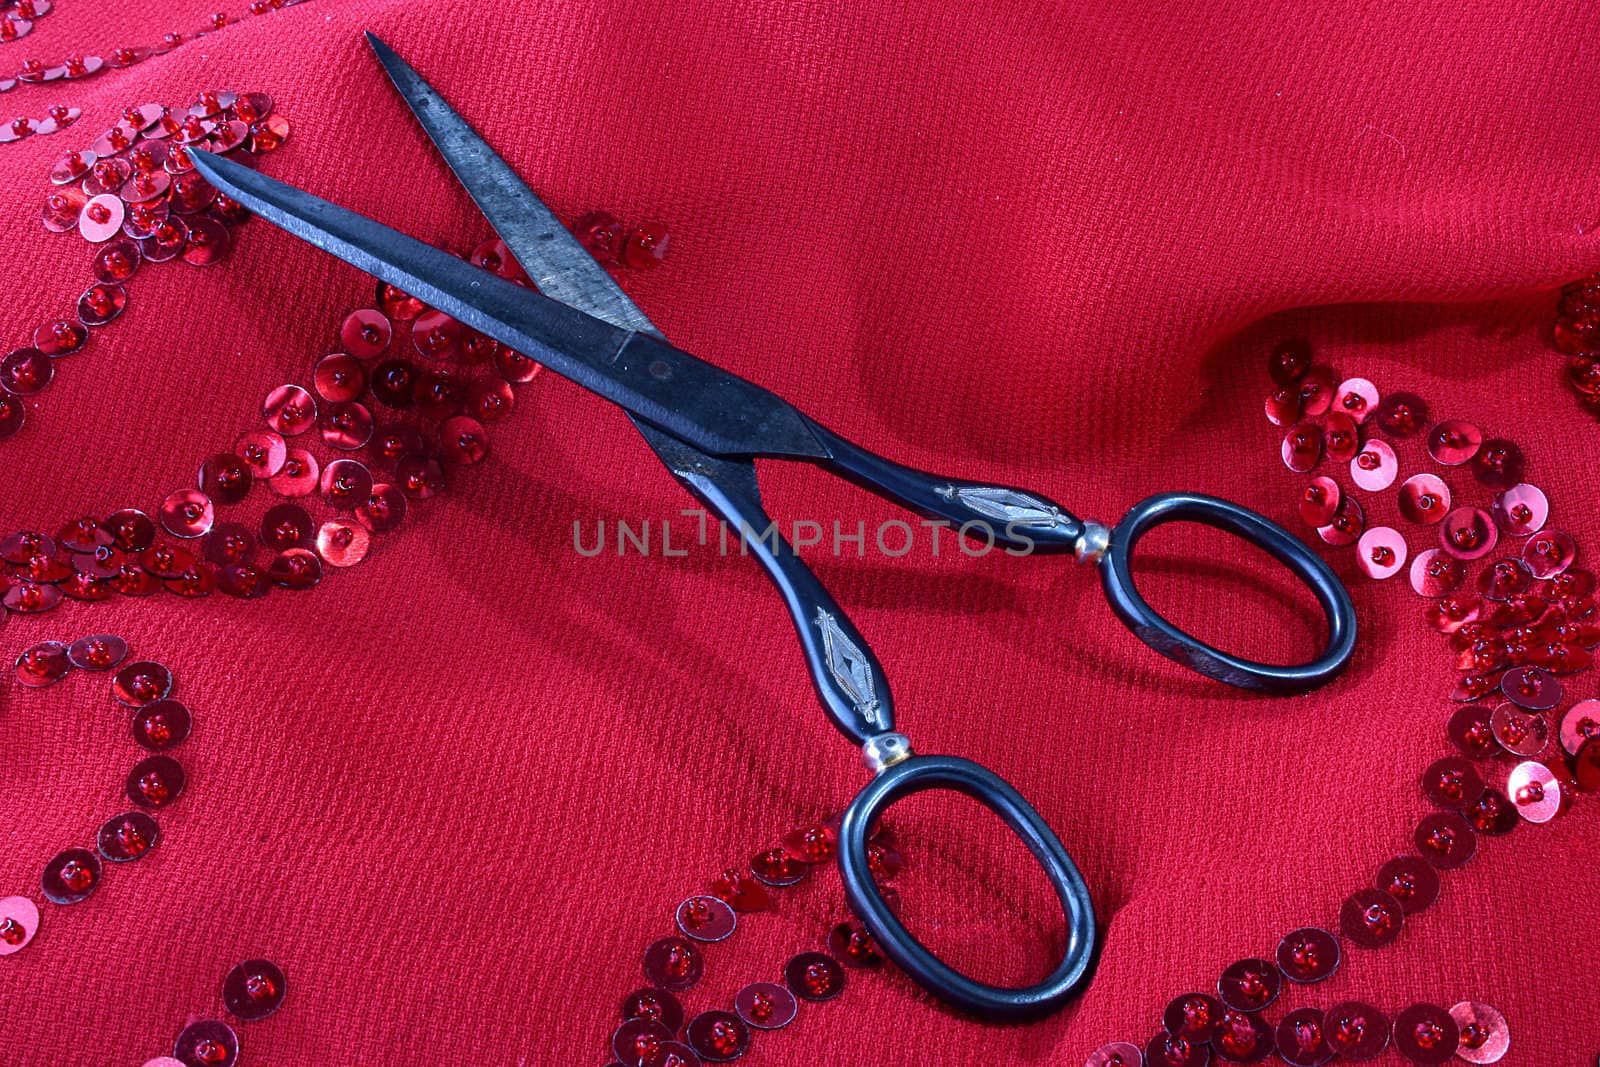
column 556, row 261
column 715, row 411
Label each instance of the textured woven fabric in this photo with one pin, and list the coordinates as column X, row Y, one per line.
column 456, row 791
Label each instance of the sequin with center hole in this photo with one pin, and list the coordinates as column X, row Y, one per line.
column 72, row 166
column 295, row 568
column 1357, row 398
column 226, row 478
column 1243, row 1037
column 289, row 410
column 209, row 242
column 1535, row 791
column 1452, row 783
column 1426, row 1034
column 1375, row 467
column 673, row 964
column 1493, row 814
column 1504, row 578
column 394, row 383
column 26, row 372
column 117, row 261
column 1533, row 688
column 1521, row 510
column 100, row 303
column 436, row 336
column 1498, row 464
column 463, row 440
column 299, row 475
column 1424, row 499
column 1435, row 573
column 365, row 333
column 1410, row 881
column 814, row 976
column 1347, row 526
column 1302, row 447
column 1371, row 918
column 1468, row 533
column 227, row 543
column 100, row 652
column 141, row 683
column 131, row 529
column 1116, row 1054
column 1300, row 1039
column 1308, row 954
column 187, row 513
column 1485, row 1037
column 127, row 837
column 71, row 876
column 1519, row 732
column 1249, row 984
column 636, row 1040
column 287, row 526
column 775, row 867
column 339, row 378
column 19, row 921
column 1164, row 1050
column 1319, row 502
column 346, row 484
column 706, row 918
column 419, row 477
column 653, row 1005
column 30, row 598
column 491, row 400
column 101, row 218
column 1381, row 552
column 12, row 416
column 1454, row 442
column 342, row 542
column 1282, row 405
column 1445, row 839
column 1580, row 724
column 384, row 509
column 43, row 664
column 161, row 725
column 1355, row 1030
column 346, row 426
column 1548, row 553
column 1340, row 437
column 262, row 451
column 1192, row 1016
column 254, row 989
column 208, row 1043
column 62, row 208
column 60, row 338
column 718, row 1036
column 156, row 781
column 766, row 1005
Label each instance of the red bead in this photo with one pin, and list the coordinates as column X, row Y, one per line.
column 1289, row 361
column 812, row 844
column 854, row 946
column 739, row 891
column 646, row 246
column 601, row 234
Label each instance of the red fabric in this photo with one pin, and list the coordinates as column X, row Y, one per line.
column 456, row 791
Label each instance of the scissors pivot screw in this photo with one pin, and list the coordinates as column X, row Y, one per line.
column 885, row 750
column 1093, row 542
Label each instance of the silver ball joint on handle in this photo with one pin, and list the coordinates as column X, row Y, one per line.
column 883, row 751
column 1093, row 542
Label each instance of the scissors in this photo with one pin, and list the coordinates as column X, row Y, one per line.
column 708, row 426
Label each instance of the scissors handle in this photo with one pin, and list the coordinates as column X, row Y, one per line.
column 998, row 1003
column 1005, row 514
column 1116, row 575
